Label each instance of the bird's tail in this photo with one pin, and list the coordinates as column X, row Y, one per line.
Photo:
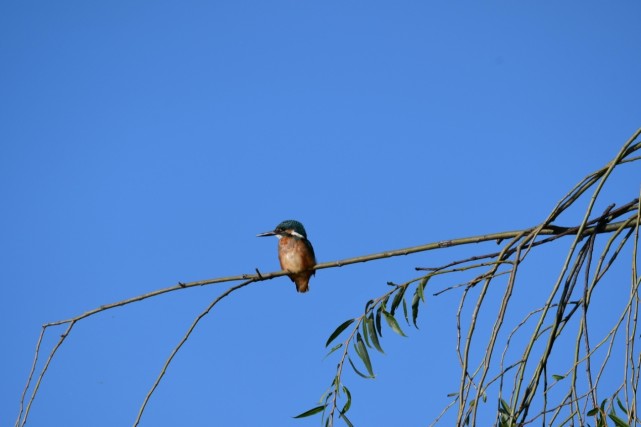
column 302, row 282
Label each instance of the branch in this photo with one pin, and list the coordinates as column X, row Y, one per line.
column 554, row 231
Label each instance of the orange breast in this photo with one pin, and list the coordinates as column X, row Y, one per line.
column 294, row 256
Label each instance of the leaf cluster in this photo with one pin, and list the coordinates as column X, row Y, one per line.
column 363, row 334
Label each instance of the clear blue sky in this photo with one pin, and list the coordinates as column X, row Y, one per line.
column 146, row 143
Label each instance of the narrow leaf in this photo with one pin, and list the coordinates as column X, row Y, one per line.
column 336, row 347
column 504, row 407
column 365, row 334
column 405, row 312
column 311, row 412
column 625, row 411
column 384, row 303
column 372, row 322
column 592, row 412
column 349, row 359
column 378, row 321
column 326, row 396
column 368, row 304
column 415, row 303
column 558, row 377
column 348, row 422
column 338, row 331
column 391, row 321
column 618, row 421
column 397, row 299
column 421, row 287
column 348, row 404
column 371, row 329
column 335, row 381
column 361, row 350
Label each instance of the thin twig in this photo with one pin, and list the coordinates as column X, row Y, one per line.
column 182, row 341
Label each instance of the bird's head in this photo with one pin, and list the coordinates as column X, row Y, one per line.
column 290, row 227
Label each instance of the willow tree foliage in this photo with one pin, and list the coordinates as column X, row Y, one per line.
column 518, row 367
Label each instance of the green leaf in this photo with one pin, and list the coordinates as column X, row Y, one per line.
column 336, row 347
column 326, row 396
column 421, row 288
column 311, row 412
column 405, row 312
column 348, row 404
column 368, row 304
column 558, row 377
column 361, row 350
column 603, row 404
column 348, row 422
column 349, row 359
column 618, row 421
column 370, row 318
column 384, row 302
column 504, row 408
column 415, row 303
column 365, row 334
column 378, row 321
column 391, row 321
column 397, row 299
column 592, row 412
column 625, row 411
column 371, row 330
column 338, row 331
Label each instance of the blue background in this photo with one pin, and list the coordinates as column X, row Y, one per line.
column 146, row 143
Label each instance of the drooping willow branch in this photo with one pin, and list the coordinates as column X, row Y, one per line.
column 564, row 282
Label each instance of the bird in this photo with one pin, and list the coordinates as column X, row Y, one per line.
column 295, row 252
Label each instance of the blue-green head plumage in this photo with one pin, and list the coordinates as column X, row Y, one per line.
column 291, row 224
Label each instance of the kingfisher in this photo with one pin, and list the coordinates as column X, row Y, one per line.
column 295, row 252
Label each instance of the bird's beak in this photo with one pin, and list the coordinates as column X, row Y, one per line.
column 269, row 233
